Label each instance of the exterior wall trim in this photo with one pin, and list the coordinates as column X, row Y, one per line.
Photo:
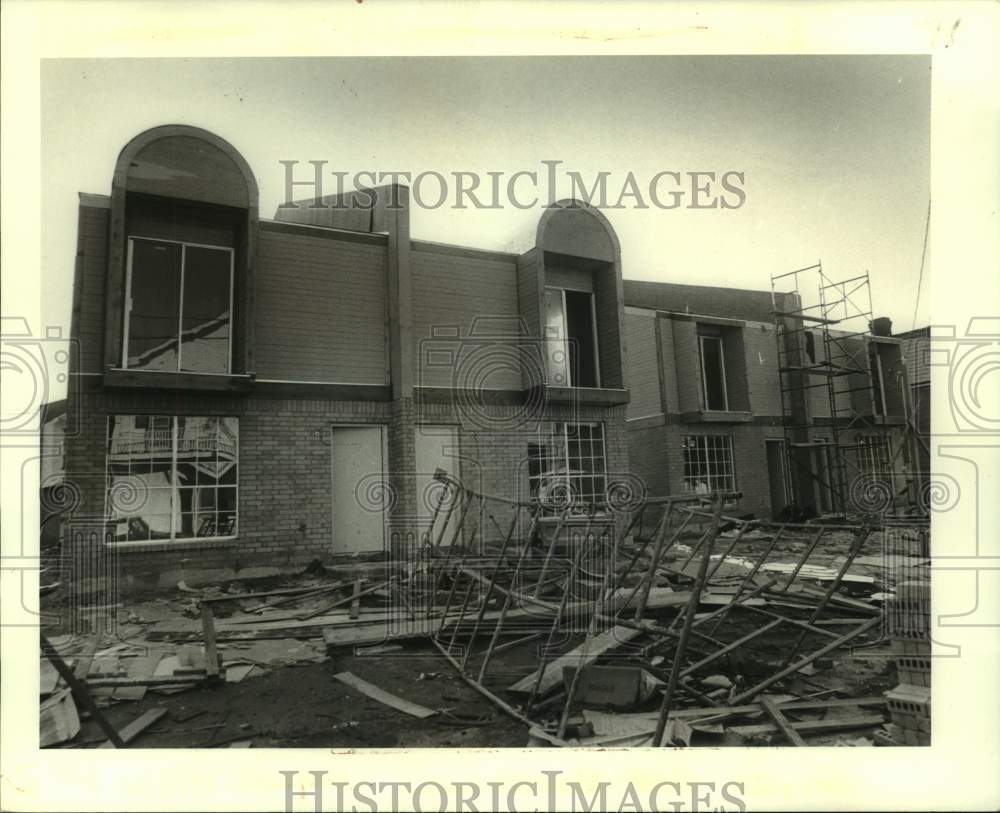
column 324, row 232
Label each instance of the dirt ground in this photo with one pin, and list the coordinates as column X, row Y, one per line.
column 291, row 697
column 305, row 707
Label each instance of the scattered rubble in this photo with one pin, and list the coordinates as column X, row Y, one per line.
column 551, row 633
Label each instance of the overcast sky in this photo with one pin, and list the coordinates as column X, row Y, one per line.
column 834, row 150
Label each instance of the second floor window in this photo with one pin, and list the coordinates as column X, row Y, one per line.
column 715, row 396
column 178, row 307
column 571, row 338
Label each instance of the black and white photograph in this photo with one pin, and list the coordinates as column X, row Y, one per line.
column 528, row 408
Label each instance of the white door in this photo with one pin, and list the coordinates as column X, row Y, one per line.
column 436, row 448
column 358, row 492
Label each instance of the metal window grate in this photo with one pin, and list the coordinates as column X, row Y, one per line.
column 708, row 463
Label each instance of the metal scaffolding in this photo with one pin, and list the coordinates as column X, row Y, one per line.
column 841, row 314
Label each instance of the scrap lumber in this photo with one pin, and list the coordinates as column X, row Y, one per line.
column 614, row 727
column 290, row 591
column 211, row 653
column 136, row 727
column 348, row 600
column 48, row 678
column 356, row 602
column 384, row 697
column 148, row 682
column 582, row 655
column 59, row 720
column 80, row 692
column 812, row 726
column 138, row 669
column 782, row 722
column 85, row 658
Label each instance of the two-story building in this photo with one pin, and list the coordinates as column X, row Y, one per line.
column 254, row 394
column 718, row 404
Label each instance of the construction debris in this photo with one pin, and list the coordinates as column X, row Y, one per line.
column 375, row 693
column 655, row 626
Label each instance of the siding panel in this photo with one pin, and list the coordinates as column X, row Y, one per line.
column 321, row 310
column 453, row 291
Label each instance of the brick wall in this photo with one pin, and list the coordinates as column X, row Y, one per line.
column 88, row 294
column 284, row 479
column 284, row 472
column 647, row 457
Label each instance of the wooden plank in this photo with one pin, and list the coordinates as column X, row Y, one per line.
column 346, row 600
column 121, row 682
column 812, row 726
column 397, row 628
column 586, row 653
column 211, row 653
column 48, row 678
column 782, row 722
column 82, row 668
column 291, row 591
column 384, row 697
column 138, row 669
column 58, row 719
column 80, row 692
column 136, row 727
column 750, row 708
column 356, row 598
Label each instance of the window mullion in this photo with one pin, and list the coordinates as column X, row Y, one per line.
column 128, row 304
column 180, row 307
column 174, row 495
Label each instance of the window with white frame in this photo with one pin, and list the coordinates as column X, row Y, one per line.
column 708, row 463
column 567, row 467
column 172, row 477
column 571, row 338
column 715, row 396
column 178, row 307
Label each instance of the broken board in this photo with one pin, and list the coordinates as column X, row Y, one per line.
column 384, row 697
column 586, row 653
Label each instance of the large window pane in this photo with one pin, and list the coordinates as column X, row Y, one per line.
column 713, row 373
column 580, row 330
column 154, row 311
column 556, row 350
column 172, row 478
column 179, row 315
column 206, row 322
